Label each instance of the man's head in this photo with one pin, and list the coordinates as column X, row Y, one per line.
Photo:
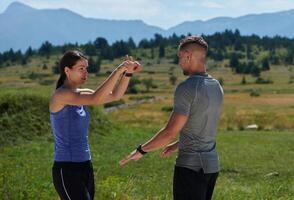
column 192, row 53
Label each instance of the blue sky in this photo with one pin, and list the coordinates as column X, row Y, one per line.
column 162, row 13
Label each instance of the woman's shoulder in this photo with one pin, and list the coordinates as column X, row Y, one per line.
column 61, row 92
column 54, row 102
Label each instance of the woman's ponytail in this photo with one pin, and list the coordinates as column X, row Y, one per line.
column 61, row 80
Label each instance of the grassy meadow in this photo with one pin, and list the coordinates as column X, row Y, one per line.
column 255, row 164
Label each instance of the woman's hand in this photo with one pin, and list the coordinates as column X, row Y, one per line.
column 133, row 66
column 123, row 67
column 129, row 65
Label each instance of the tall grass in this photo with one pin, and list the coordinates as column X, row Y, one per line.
column 247, row 161
column 26, row 116
column 254, row 164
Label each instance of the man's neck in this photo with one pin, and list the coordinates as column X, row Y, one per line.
column 198, row 68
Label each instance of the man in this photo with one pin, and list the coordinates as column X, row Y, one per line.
column 196, row 112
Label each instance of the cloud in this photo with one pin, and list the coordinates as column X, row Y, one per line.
column 125, row 8
column 163, row 13
column 275, row 4
column 211, row 4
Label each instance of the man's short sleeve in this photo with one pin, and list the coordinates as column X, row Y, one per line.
column 183, row 98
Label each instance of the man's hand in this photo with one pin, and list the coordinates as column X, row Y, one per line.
column 169, row 150
column 135, row 155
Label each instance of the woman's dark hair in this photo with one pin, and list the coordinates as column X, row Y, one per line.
column 69, row 59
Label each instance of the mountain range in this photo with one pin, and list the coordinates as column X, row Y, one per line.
column 22, row 26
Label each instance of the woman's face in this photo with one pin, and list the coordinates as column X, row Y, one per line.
column 78, row 73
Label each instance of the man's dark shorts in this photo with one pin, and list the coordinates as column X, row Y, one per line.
column 191, row 185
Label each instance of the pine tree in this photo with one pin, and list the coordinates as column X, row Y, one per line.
column 161, row 51
column 46, row 49
column 265, row 65
column 94, row 65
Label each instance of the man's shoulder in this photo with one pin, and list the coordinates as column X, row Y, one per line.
column 183, row 84
column 187, row 85
column 190, row 82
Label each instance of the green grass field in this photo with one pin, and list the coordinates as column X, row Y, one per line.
column 256, row 164
column 247, row 157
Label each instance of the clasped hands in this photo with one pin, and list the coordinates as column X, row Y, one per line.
column 129, row 65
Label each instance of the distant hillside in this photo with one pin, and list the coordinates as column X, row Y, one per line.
column 23, row 26
column 269, row 24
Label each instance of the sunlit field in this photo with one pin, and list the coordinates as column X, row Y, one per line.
column 255, row 164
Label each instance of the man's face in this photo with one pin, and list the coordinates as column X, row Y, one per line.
column 183, row 60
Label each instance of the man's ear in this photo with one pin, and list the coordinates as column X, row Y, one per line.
column 189, row 56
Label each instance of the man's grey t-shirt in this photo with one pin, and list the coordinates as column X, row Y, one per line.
column 200, row 98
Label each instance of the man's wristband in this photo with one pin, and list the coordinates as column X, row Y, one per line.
column 139, row 148
column 128, row 74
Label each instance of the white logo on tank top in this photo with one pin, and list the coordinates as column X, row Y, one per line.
column 81, row 111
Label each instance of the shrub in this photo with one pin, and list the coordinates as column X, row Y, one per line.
column 132, row 89
column 173, row 79
column 143, row 97
column 23, row 117
column 167, row 108
column 114, row 103
column 26, row 116
column 254, row 93
column 260, row 80
column 243, row 82
column 46, row 82
column 221, row 81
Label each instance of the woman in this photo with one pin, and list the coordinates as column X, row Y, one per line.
column 72, row 169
